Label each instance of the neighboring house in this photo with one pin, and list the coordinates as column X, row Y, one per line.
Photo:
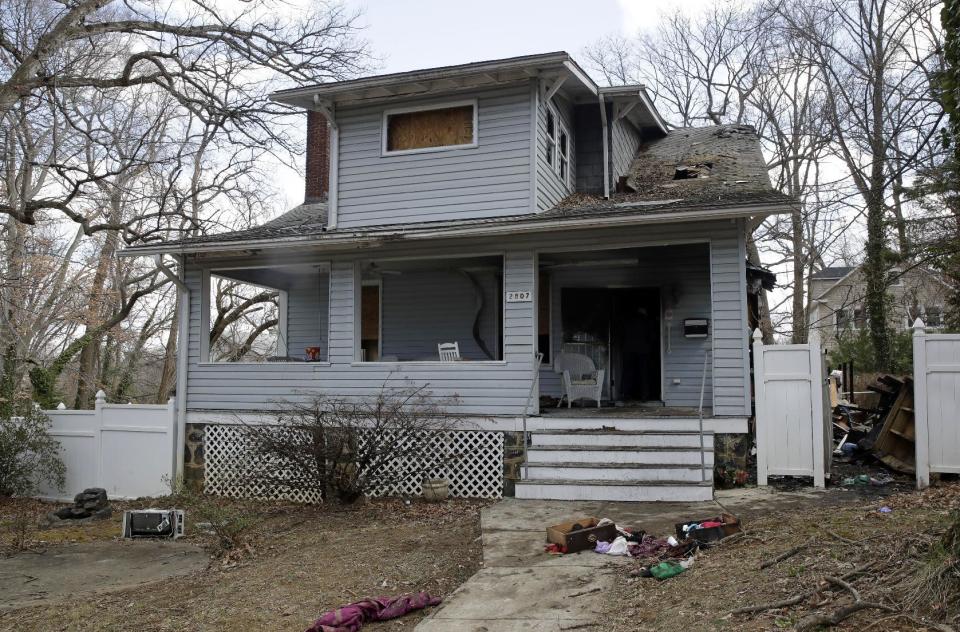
column 512, row 207
column 837, row 300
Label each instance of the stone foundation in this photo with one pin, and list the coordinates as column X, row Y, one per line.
column 193, row 457
column 512, row 460
column 731, row 454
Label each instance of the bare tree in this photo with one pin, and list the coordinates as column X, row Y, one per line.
column 127, row 121
column 874, row 61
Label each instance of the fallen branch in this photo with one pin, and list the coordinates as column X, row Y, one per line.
column 817, row 620
column 792, row 601
column 836, row 581
column 585, row 592
column 836, row 535
column 785, row 555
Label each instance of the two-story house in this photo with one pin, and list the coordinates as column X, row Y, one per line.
column 515, row 208
column 837, row 307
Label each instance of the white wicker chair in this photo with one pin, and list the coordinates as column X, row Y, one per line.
column 580, row 378
column 449, row 351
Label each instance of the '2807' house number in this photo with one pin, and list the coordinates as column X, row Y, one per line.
column 520, row 297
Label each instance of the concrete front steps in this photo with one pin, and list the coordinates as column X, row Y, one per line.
column 634, row 465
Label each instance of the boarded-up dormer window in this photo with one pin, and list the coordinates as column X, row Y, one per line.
column 430, row 128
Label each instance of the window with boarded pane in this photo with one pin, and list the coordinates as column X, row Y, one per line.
column 430, row 128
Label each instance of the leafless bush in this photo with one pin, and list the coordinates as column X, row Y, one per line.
column 344, row 448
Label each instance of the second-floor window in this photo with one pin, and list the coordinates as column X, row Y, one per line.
column 430, row 128
column 558, row 145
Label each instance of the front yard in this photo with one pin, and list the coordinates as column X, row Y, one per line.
column 881, row 548
column 300, row 562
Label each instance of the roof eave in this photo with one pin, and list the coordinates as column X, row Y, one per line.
column 512, row 228
column 421, row 82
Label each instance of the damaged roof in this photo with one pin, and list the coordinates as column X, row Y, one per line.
column 719, row 163
column 688, row 175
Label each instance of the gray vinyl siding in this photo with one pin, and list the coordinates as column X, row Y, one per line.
column 307, row 314
column 480, row 388
column 489, row 180
column 424, row 308
column 624, row 142
column 550, row 188
column 682, row 274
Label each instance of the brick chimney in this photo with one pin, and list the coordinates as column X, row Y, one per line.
column 318, row 158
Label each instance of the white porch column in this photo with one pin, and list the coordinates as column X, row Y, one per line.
column 344, row 312
column 520, row 318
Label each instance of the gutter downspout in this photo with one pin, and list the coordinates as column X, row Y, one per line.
column 333, row 159
column 183, row 333
column 606, row 147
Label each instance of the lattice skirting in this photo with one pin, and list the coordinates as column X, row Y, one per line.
column 475, row 471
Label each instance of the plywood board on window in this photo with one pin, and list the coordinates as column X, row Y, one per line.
column 430, row 128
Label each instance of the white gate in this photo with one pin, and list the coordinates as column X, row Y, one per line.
column 792, row 410
column 128, row 449
column 936, row 393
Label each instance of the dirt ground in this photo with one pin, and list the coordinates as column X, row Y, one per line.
column 832, row 540
column 301, row 562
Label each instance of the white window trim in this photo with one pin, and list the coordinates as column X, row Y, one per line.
column 384, row 152
column 558, row 127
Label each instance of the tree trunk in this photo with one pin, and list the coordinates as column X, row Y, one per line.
column 96, row 308
column 799, row 308
column 168, row 372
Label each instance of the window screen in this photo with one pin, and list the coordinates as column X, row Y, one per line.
column 441, row 127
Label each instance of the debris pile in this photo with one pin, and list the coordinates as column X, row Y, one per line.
column 878, row 422
column 661, row 558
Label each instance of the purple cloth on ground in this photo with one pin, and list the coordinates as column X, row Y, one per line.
column 603, row 547
column 351, row 617
column 649, row 547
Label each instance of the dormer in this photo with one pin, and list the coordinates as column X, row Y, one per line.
column 476, row 141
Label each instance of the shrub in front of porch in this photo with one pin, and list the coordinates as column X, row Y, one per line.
column 344, row 449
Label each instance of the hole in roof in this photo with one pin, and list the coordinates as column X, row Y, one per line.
column 691, row 172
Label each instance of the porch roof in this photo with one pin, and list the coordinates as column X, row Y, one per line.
column 297, row 226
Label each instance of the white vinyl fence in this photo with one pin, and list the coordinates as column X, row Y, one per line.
column 128, row 449
column 792, row 410
column 936, row 393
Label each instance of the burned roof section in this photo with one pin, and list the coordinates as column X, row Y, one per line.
column 692, row 165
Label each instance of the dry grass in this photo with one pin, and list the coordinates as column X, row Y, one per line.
column 304, row 560
column 894, row 547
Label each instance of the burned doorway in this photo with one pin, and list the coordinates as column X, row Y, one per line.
column 619, row 329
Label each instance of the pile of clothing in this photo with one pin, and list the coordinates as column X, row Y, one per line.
column 667, row 557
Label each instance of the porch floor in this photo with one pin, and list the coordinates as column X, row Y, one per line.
column 629, row 410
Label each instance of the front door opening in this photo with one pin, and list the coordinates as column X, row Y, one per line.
column 619, row 329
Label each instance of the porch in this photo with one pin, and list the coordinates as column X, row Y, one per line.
column 351, row 322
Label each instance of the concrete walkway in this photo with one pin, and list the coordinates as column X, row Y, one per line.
column 520, row 588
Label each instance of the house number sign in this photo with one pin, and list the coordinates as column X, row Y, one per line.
column 520, row 297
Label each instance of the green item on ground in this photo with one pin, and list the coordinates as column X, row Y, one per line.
column 863, row 479
column 666, row 570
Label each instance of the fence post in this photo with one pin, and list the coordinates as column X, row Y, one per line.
column 921, row 431
column 759, row 408
column 172, row 439
column 817, row 418
column 101, row 399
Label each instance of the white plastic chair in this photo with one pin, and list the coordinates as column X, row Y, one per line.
column 581, row 379
column 449, row 351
